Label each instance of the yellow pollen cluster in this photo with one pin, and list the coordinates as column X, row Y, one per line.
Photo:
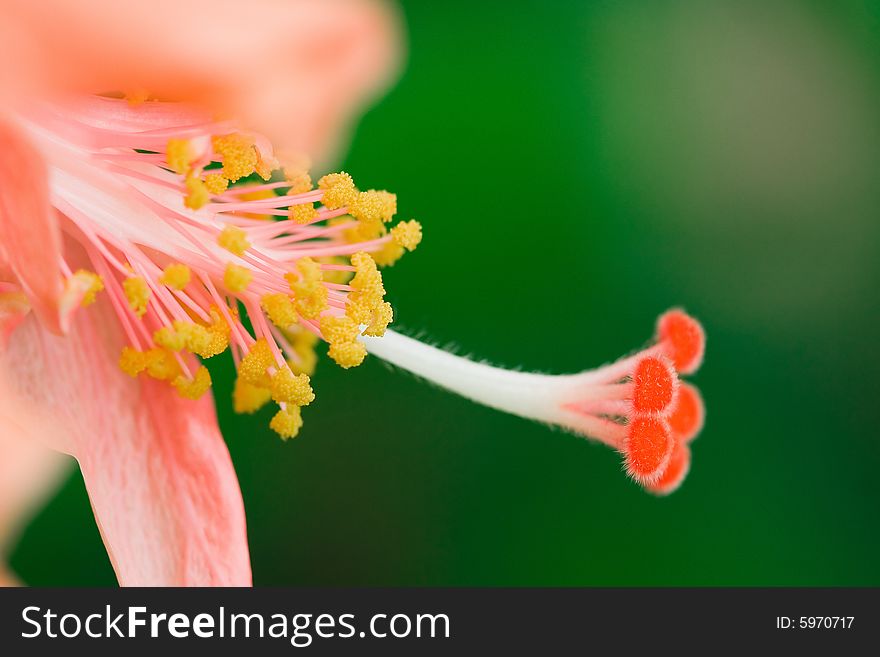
column 310, row 296
column 341, row 333
column 205, row 341
column 179, row 154
column 383, row 315
column 302, row 214
column 287, row 422
column 407, row 234
column 137, row 293
column 85, row 283
column 195, row 387
column 215, row 183
column 236, row 278
column 197, row 192
column 217, row 338
column 157, row 362
column 253, row 366
column 373, row 206
column 290, row 388
column 339, row 190
column 169, row 338
column 280, row 310
column 238, row 154
column 176, row 275
column 234, row 240
column 132, row 361
column 248, row 398
column 367, row 291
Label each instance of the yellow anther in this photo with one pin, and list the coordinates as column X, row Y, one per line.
column 291, row 388
column 195, row 337
column 238, row 154
column 197, row 193
column 407, row 234
column 338, row 329
column 253, row 366
column 339, row 190
column 180, row 154
column 287, row 422
column 215, row 183
column 132, row 361
column 279, row 308
column 195, row 387
column 367, row 289
column 137, row 293
column 382, row 317
column 367, row 277
column 341, row 333
column 169, row 338
column 176, row 275
column 309, row 269
column 347, row 354
column 161, row 364
column 300, row 183
column 234, row 240
column 390, row 253
column 248, row 398
column 85, row 283
column 310, row 296
column 304, row 213
column 236, row 278
column 217, row 337
column 373, row 205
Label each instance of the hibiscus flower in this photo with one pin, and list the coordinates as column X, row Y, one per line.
column 157, row 210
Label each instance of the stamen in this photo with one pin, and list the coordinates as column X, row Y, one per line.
column 138, row 294
column 287, row 422
column 339, row 190
column 234, row 240
column 176, row 275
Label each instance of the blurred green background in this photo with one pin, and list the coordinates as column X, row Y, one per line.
column 579, row 167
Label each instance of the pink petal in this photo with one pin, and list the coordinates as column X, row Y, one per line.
column 157, row 470
column 30, row 239
column 294, row 69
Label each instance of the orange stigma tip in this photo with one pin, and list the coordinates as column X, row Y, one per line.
column 676, row 471
column 654, row 385
column 683, row 338
column 648, row 447
column 686, row 419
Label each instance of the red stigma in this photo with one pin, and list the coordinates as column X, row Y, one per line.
column 683, row 338
column 648, row 447
column 686, row 419
column 676, row 471
column 654, row 385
